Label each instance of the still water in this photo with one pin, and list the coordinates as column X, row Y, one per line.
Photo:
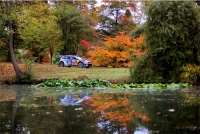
column 26, row 110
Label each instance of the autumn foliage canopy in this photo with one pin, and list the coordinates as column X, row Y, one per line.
column 117, row 51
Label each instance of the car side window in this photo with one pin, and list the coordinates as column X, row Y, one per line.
column 74, row 58
column 64, row 57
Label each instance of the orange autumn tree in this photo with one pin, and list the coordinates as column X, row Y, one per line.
column 116, row 51
column 116, row 107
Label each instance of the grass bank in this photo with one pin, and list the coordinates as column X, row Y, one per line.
column 46, row 71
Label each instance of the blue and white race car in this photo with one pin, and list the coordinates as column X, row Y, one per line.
column 74, row 60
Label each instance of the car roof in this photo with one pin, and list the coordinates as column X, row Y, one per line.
column 71, row 55
column 61, row 56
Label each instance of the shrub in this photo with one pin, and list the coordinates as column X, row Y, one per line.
column 27, row 77
column 191, row 74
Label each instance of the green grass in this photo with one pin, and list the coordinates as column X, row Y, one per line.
column 114, row 75
column 48, row 71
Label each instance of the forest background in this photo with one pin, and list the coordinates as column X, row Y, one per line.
column 163, row 48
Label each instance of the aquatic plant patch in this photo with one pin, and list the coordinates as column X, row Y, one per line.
column 75, row 83
column 88, row 83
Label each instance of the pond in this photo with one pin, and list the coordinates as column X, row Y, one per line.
column 27, row 110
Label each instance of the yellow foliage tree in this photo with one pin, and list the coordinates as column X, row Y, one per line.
column 117, row 51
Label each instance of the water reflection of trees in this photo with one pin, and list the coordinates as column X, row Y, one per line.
column 9, row 106
column 47, row 116
column 5, row 115
column 171, row 112
column 43, row 114
column 117, row 114
column 163, row 112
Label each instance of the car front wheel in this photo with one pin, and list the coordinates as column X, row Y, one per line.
column 61, row 64
column 80, row 65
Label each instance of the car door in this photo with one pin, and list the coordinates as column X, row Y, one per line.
column 68, row 61
column 74, row 61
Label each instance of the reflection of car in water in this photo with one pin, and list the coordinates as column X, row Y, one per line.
column 74, row 99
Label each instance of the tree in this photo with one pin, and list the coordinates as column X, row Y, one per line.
column 90, row 12
column 117, row 51
column 9, row 6
column 51, row 37
column 116, row 16
column 25, row 22
column 38, row 30
column 4, row 38
column 171, row 30
column 72, row 23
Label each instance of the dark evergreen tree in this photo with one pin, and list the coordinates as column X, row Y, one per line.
column 171, row 30
column 73, row 25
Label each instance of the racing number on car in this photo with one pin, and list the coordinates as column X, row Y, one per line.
column 75, row 62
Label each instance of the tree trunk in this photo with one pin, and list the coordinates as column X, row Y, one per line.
column 8, row 59
column 12, row 55
column 51, row 54
column 11, row 49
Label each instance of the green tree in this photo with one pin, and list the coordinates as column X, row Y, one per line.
column 25, row 22
column 171, row 30
column 35, row 28
column 73, row 25
column 3, row 38
column 39, row 30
